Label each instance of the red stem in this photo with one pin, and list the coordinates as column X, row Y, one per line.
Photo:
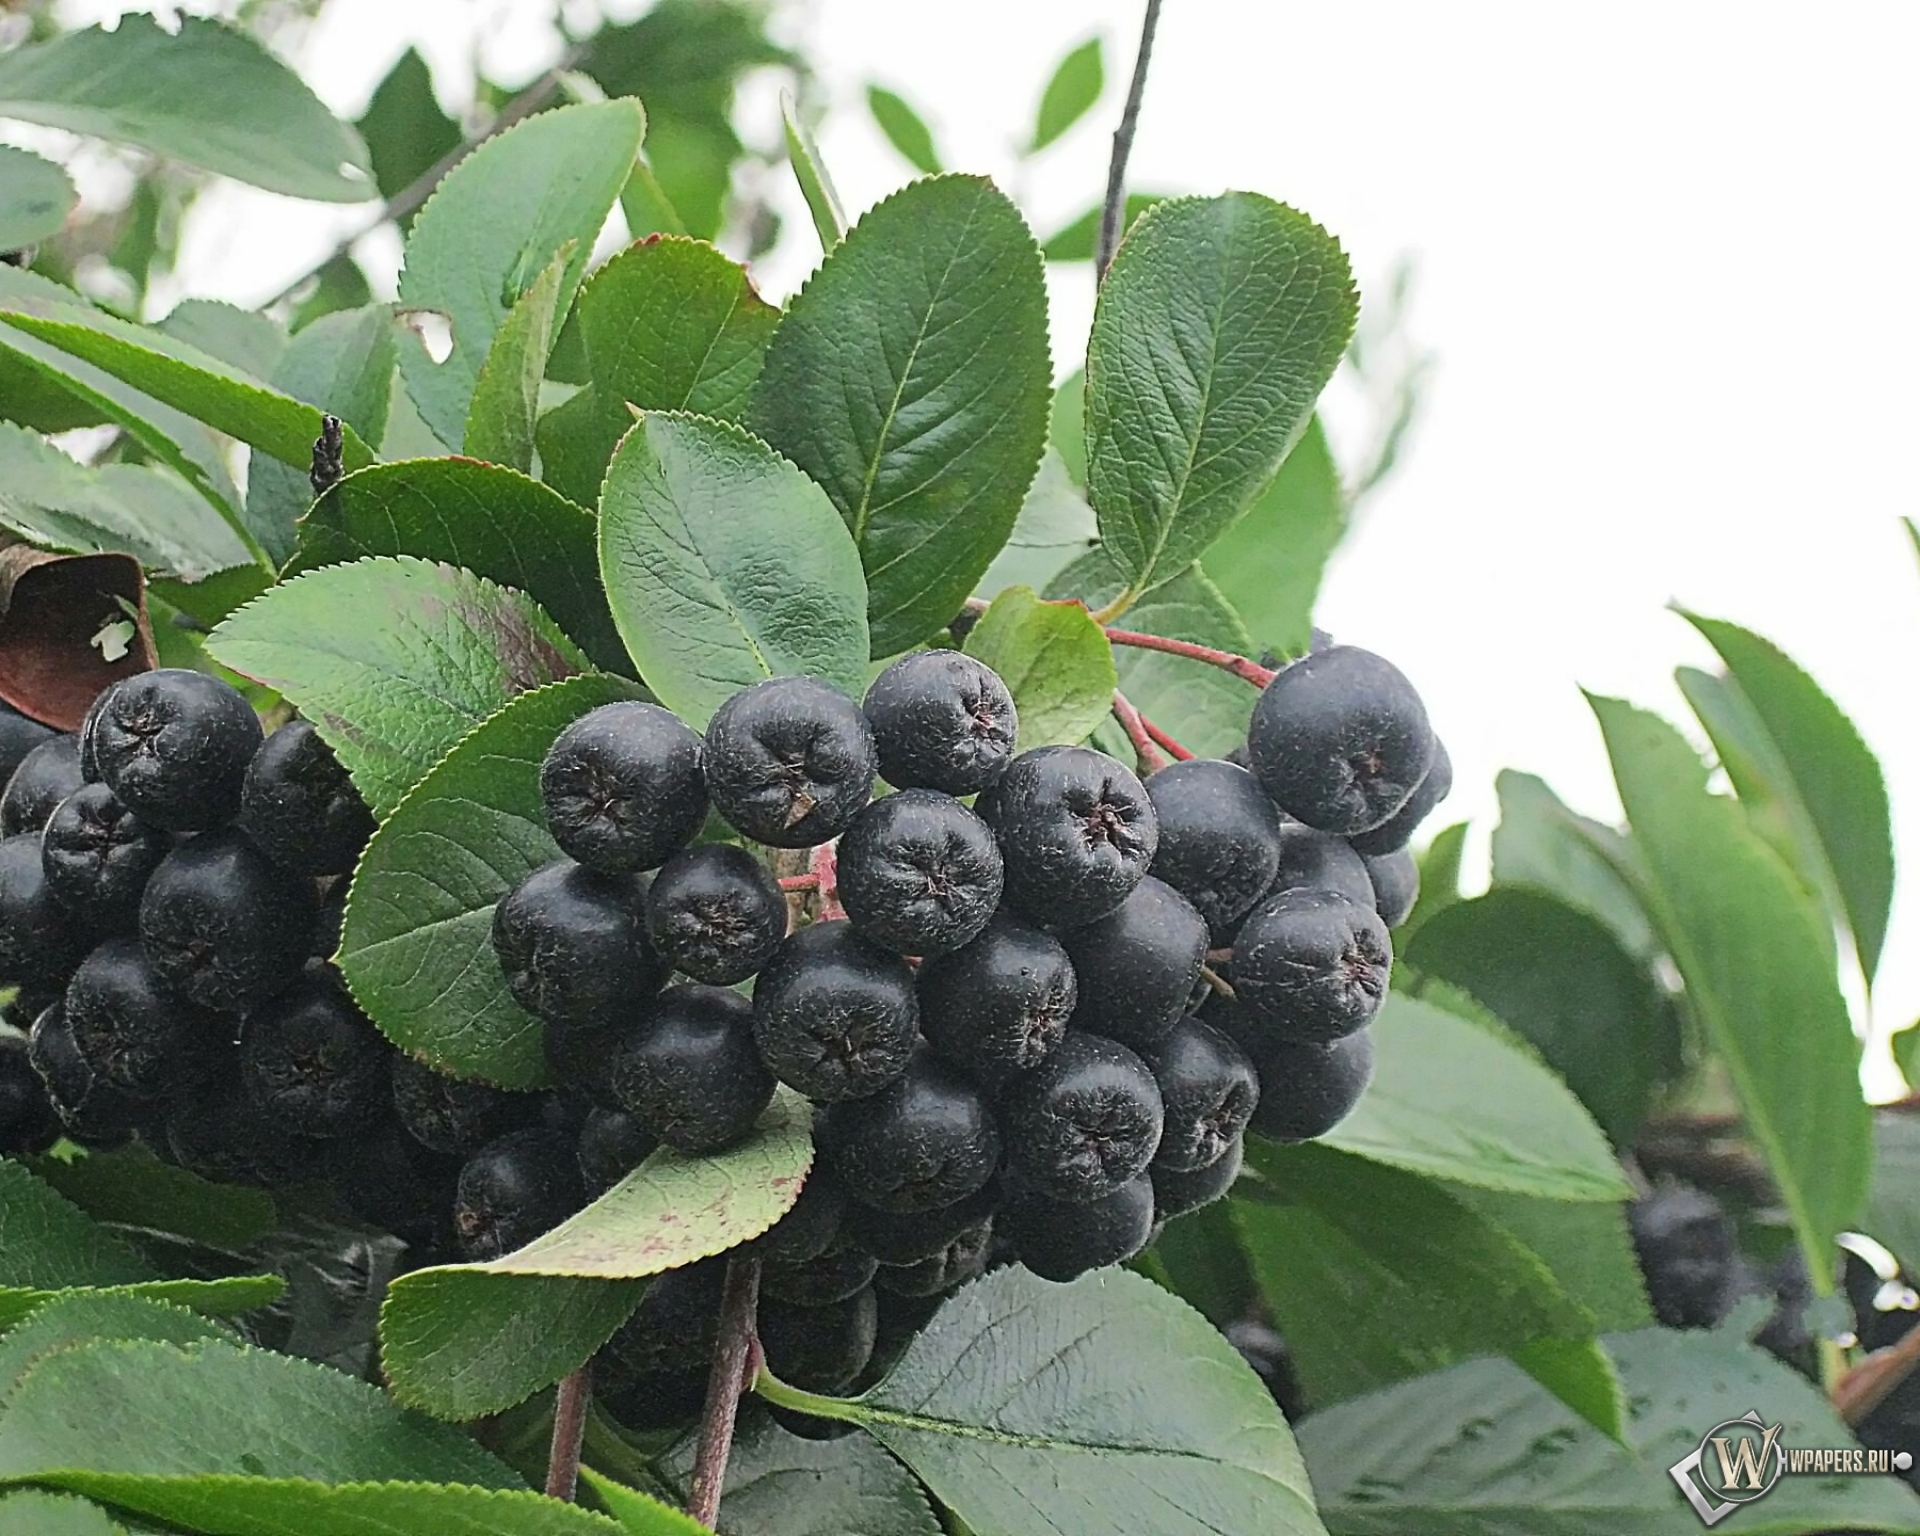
column 826, row 874
column 570, row 1405
column 1150, row 758
column 1163, row 739
column 732, row 1366
column 799, row 882
column 1239, row 666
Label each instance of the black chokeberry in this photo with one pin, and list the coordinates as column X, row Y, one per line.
column 91, row 1113
column 963, row 1259
column 1137, row 965
column 41, row 941
column 897, row 1239
column 810, row 1228
column 216, row 1131
column 224, row 925
column 924, row 1141
column 387, row 1178
column 513, row 1190
column 1305, row 1089
column 715, row 912
column 1689, row 1252
column 45, row 777
column 1312, row 965
column 174, row 746
column 919, row 872
column 313, row 1062
column 622, row 787
column 820, row 1281
column 1176, row 1192
column 941, row 720
column 789, row 762
column 835, row 1015
column 1077, row 831
column 688, row 1071
column 1318, row 861
column 28, row 1120
column 611, row 1145
column 98, row 856
column 1000, row 1004
column 819, row 1349
column 137, row 1035
column 1210, row 1091
column 1084, row 1122
column 674, row 1326
column 572, row 943
column 1062, row 1241
column 1340, row 740
column 1396, row 884
column 450, row 1115
column 1219, row 838
column 299, row 806
column 1397, row 830
column 18, row 737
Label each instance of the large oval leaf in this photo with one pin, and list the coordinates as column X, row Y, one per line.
column 35, row 198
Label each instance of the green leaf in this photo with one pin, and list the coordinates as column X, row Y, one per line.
column 493, row 226
column 816, row 186
column 1218, row 326
column 261, row 1506
column 1583, row 1242
column 405, row 129
column 492, row 521
column 725, row 565
column 416, row 945
column 904, row 129
column 646, row 206
column 1201, row 1260
column 1457, row 1099
column 1479, row 1450
column 1024, row 1406
column 1543, row 844
column 30, row 1512
column 668, row 325
column 132, row 1187
column 910, row 379
column 1269, row 564
column 206, row 93
column 1055, row 661
column 35, row 198
column 242, row 338
column 1826, row 776
column 641, row 1514
column 1893, row 1210
column 338, row 284
column 227, row 1297
column 1906, row 1053
column 506, row 395
column 47, row 1243
column 1076, row 84
column 1055, row 527
column 77, row 1317
column 394, row 660
column 1439, row 880
column 1749, row 946
column 1079, row 240
column 1561, row 979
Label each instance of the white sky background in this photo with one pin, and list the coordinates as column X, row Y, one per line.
column 1665, row 261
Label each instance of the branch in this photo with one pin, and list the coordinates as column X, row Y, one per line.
column 1146, row 752
column 733, row 1368
column 1114, row 211
column 1239, row 666
column 1162, row 739
column 569, row 1430
column 1871, row 1382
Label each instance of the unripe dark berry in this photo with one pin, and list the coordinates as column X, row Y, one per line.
column 18, row 737
column 513, row 1190
column 454, row 1116
column 98, row 857
column 819, row 1349
column 1210, row 1091
column 941, row 720
column 1061, row 1241
column 1397, row 830
column 999, row 1005
column 41, row 941
column 821, row 1281
column 924, row 1141
column 174, row 746
column 1138, row 965
column 834, row 1016
column 689, row 1073
column 623, row 788
column 716, row 913
column 313, row 1062
column 225, row 926
column 789, row 762
column 1396, row 885
column 1340, row 740
column 1077, row 831
column 572, row 943
column 1084, row 1122
column 1312, row 965
column 299, row 806
column 897, row 1239
column 611, row 1145
column 810, row 1228
column 1318, row 861
column 919, row 872
column 139, row 1037
column 28, row 1121
column 1175, row 1193
column 963, row 1259
column 90, row 1112
column 1219, row 839
column 45, row 777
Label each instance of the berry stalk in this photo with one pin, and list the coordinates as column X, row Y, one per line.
column 1113, row 212
column 1226, row 661
column 1146, row 750
column 825, row 870
column 733, row 1369
column 570, row 1405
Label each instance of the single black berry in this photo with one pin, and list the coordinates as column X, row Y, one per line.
column 1176, row 1192
column 1318, row 861
column 90, row 1112
column 925, row 1141
column 41, row 941
column 821, row 1281
column 674, row 1326
column 1312, row 965
column 18, row 737
column 611, row 1145
column 623, row 788
column 834, row 1015
column 810, row 1228
column 1210, row 1091
column 689, row 1073
column 98, row 856
column 572, row 943
column 963, row 1259
column 789, row 762
column 941, row 720
column 137, row 1035
column 1689, row 1252
column 1397, row 830
column 387, row 1178
column 224, row 925
column 1077, row 831
column 28, row 1120
column 174, row 746
column 1137, row 966
column 919, row 872
column 87, row 738
column 819, row 1349
column 299, row 806
column 451, row 1115
column 1085, row 1121
column 1000, row 1004
column 1061, row 1241
column 313, row 1062
column 45, row 777
column 1340, row 740
column 1396, row 884
column 716, row 913
column 1219, row 838
column 219, row 1133
column 897, row 1239
column 1305, row 1089
column 514, row 1189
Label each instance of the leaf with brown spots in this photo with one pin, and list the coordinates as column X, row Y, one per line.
column 53, row 608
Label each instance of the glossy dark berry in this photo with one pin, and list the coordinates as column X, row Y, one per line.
column 313, row 1062
column 572, row 943
column 963, row 1259
column 919, row 872
column 834, row 1015
column 1312, row 965
column 1176, row 1192
column 299, row 806
column 224, row 925
column 136, row 1034
column 1060, row 1241
column 819, row 1349
column 1397, row 830
column 897, row 1239
column 1340, row 740
column 98, row 856
column 1210, row 1091
column 454, row 1116
column 810, row 1228
column 716, row 913
column 674, row 1326
column 28, row 1121
column 941, row 720
column 41, row 941
column 789, row 762
column 623, row 788
column 611, row 1145
column 925, row 1141
column 1219, row 839
column 689, row 1072
column 1138, row 965
column 1396, row 885
column 999, row 1005
column 1084, row 1122
column 821, row 1281
column 1077, row 831
column 45, row 777
column 18, row 737
column 514, row 1189
column 1305, row 1089
column 1318, row 861
column 174, row 746
column 90, row 1112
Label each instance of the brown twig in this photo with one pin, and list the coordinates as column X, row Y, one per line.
column 1872, row 1381
column 570, row 1405
column 1113, row 211
column 1219, row 983
column 1145, row 751
column 733, row 1369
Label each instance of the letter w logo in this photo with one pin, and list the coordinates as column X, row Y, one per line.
column 1745, row 1459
